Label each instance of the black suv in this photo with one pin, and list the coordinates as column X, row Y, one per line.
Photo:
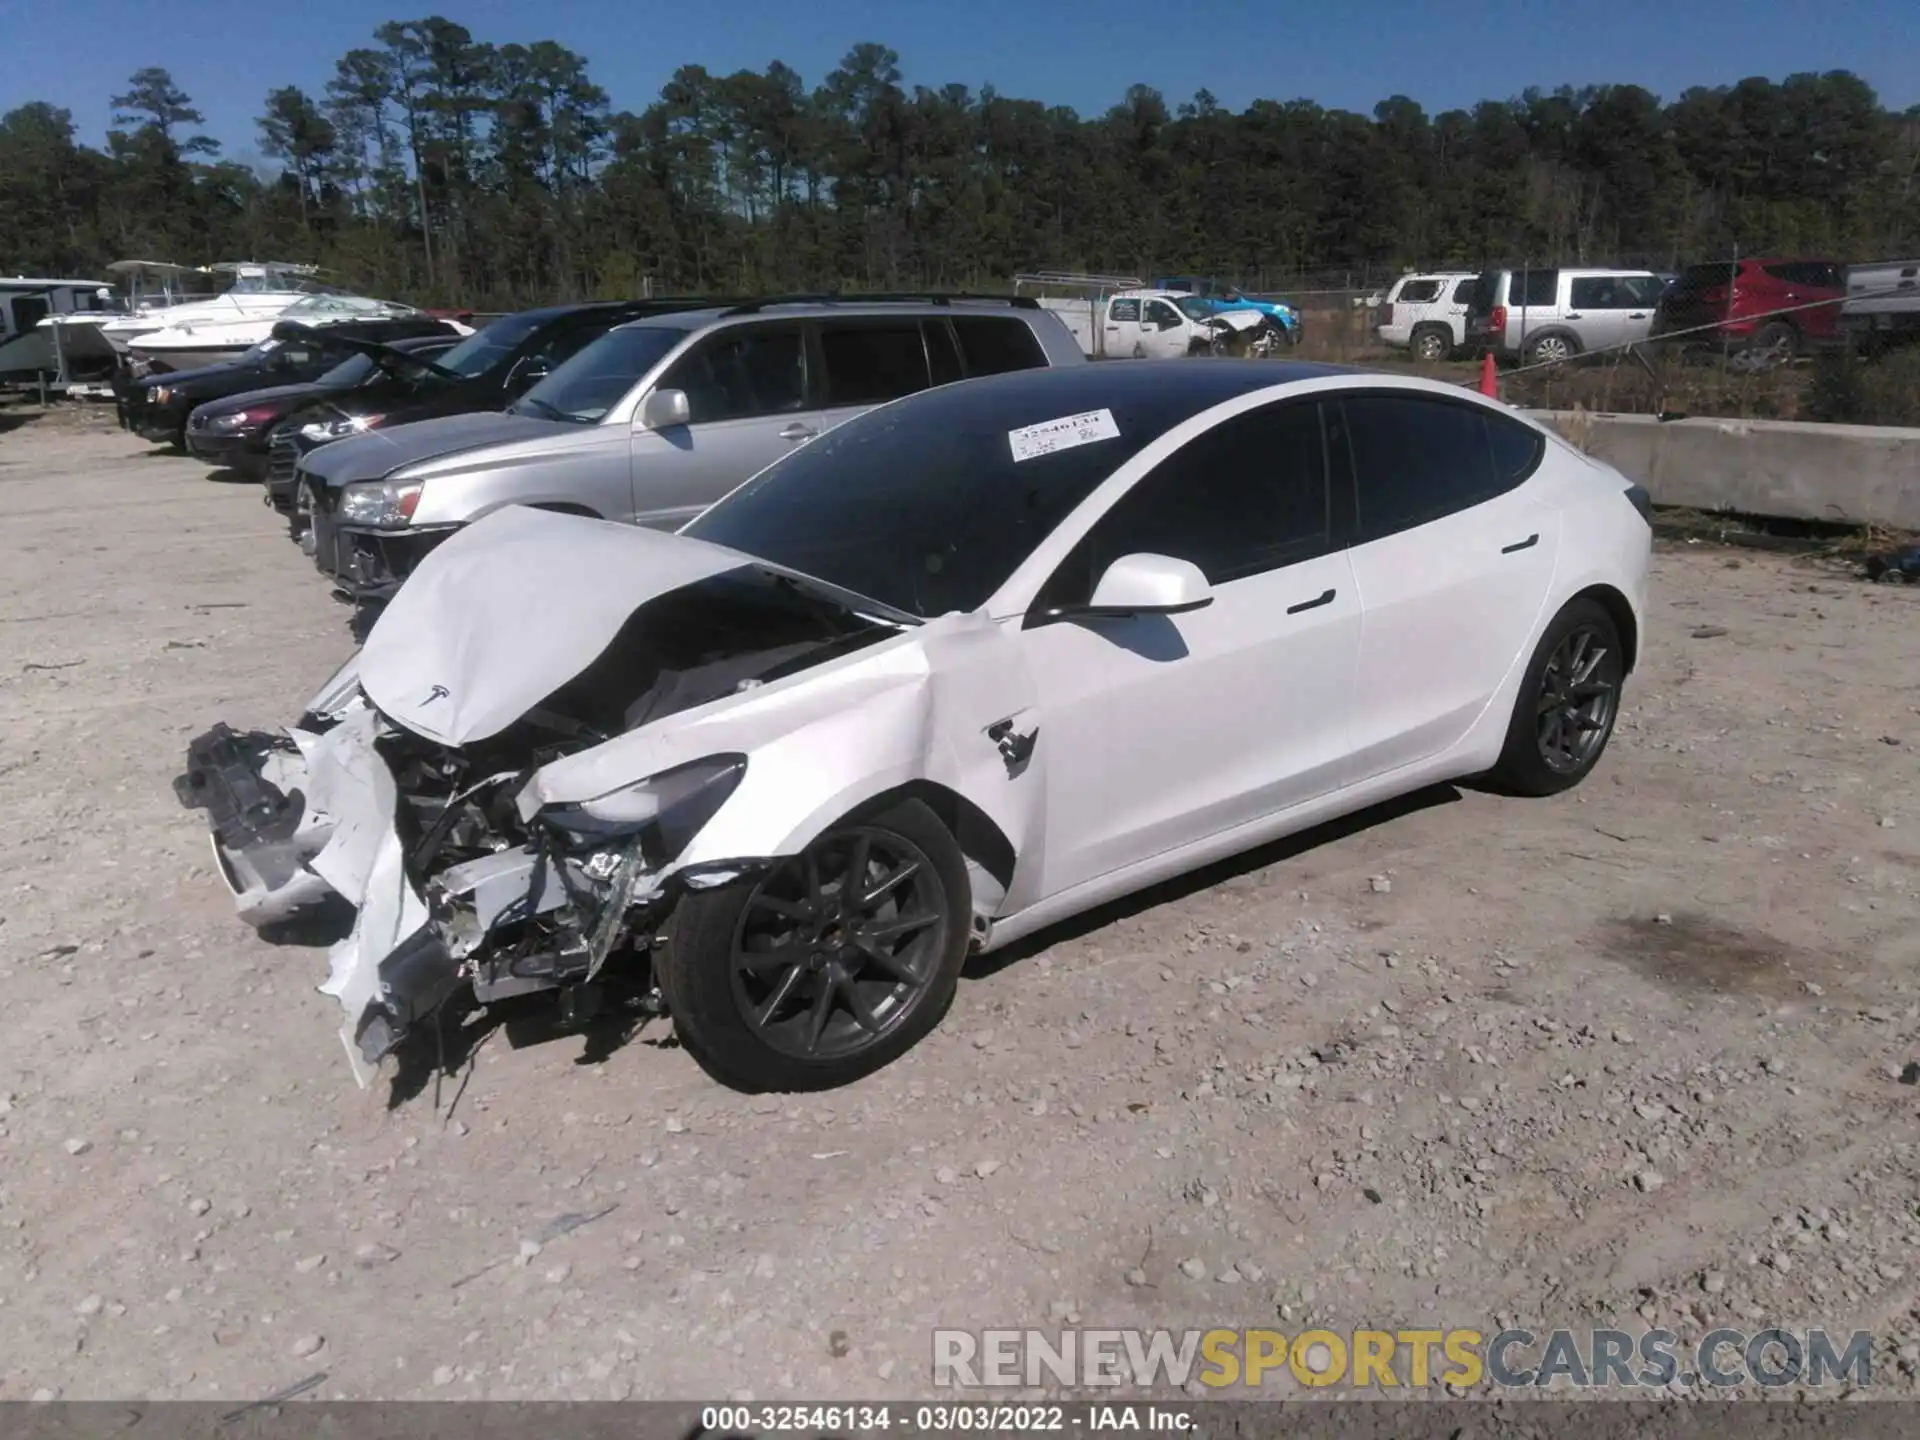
column 157, row 407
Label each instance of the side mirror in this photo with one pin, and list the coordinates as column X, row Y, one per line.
column 1143, row 584
column 663, row 409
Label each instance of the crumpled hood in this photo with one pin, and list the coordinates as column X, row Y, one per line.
column 512, row 607
column 378, row 453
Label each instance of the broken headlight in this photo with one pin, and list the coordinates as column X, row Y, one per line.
column 666, row 810
column 381, row 503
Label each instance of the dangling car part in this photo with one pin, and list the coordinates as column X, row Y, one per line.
column 953, row 671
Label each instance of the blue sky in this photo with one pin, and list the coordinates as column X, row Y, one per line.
column 228, row 53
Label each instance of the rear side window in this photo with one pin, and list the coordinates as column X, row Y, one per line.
column 1124, row 310
column 1516, row 448
column 1532, row 287
column 1249, row 495
column 1420, row 292
column 992, row 346
column 1417, row 459
column 870, row 364
column 943, row 355
column 1816, row 273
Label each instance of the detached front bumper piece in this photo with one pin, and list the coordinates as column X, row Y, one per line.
column 369, row 565
column 253, row 786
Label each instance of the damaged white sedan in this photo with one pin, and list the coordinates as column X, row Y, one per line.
column 969, row 664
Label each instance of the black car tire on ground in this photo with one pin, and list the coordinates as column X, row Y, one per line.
column 1569, row 698
column 770, row 945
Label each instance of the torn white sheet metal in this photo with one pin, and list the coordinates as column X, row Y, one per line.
column 1066, row 433
column 511, row 608
column 259, row 901
column 823, row 741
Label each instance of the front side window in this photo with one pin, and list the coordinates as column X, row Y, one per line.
column 741, row 373
column 1161, row 316
column 1248, row 496
column 871, row 363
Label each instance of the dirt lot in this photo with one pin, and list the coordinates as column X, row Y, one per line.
column 1633, row 1054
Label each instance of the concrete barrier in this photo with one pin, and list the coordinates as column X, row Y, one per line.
column 1848, row 474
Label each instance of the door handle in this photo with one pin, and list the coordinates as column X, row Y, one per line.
column 1526, row 544
column 797, row 431
column 1575, row 315
column 1324, row 598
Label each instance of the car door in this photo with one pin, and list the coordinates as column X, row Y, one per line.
column 1596, row 311
column 1453, row 555
column 747, row 398
column 1123, row 326
column 1163, row 330
column 1158, row 731
column 864, row 361
column 1639, row 300
column 1456, row 308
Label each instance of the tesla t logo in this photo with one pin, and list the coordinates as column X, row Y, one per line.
column 438, row 692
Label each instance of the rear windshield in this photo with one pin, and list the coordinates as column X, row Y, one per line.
column 1485, row 292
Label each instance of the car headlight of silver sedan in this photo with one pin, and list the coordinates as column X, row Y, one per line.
column 384, row 504
column 664, row 811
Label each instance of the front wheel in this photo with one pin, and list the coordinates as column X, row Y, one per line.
column 830, row 966
column 1568, row 701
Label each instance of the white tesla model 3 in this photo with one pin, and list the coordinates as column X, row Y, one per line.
column 960, row 668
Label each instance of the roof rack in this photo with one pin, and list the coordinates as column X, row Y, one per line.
column 751, row 307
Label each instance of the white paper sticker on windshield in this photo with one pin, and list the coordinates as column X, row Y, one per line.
column 1062, row 434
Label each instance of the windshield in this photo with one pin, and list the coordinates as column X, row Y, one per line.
column 920, row 504
column 340, row 306
column 490, row 347
column 350, row 371
column 585, row 387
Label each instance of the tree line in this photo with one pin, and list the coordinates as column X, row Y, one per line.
column 450, row 170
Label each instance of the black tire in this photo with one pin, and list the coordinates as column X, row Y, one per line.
column 1431, row 343
column 1549, row 747
column 1777, row 343
column 746, row 1017
column 1541, row 348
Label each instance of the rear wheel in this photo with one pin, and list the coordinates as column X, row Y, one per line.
column 1431, row 343
column 1550, row 349
column 829, row 967
column 1775, row 345
column 1568, row 701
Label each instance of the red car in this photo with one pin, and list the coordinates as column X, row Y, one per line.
column 1772, row 307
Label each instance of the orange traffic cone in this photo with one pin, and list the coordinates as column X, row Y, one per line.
column 1489, row 377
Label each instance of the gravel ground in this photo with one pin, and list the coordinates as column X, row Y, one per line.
column 1632, row 1055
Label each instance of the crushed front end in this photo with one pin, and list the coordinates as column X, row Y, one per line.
column 451, row 886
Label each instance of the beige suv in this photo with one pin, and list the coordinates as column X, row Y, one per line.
column 1554, row 314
